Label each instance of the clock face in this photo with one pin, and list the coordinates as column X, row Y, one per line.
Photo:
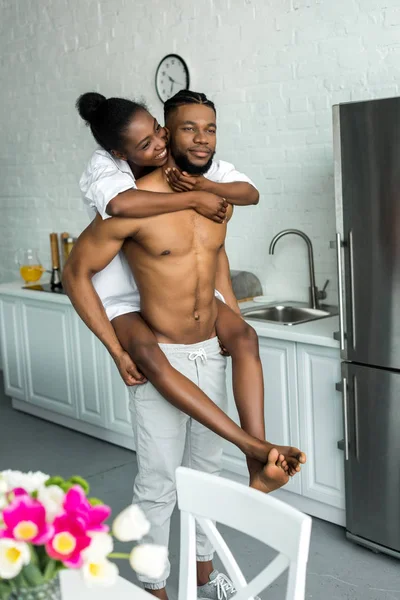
column 172, row 75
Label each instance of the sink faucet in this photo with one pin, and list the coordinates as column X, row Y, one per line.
column 315, row 294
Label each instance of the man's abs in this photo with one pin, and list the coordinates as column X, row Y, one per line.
column 174, row 260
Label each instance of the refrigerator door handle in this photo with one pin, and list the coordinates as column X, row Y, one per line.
column 356, row 442
column 340, row 289
column 353, row 312
column 346, row 421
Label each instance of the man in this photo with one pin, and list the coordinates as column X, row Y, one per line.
column 175, row 259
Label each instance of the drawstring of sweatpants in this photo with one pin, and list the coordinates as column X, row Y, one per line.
column 200, row 353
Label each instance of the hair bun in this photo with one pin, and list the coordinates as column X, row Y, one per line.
column 87, row 105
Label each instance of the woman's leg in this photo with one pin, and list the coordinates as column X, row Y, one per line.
column 241, row 341
column 141, row 344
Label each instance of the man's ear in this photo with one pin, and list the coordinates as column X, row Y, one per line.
column 119, row 155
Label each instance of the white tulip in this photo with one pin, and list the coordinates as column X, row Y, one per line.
column 3, row 492
column 131, row 524
column 3, row 485
column 100, row 547
column 30, row 481
column 13, row 556
column 52, row 498
column 149, row 560
column 100, row 572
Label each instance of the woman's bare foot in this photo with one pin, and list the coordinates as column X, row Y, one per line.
column 272, row 475
column 294, row 457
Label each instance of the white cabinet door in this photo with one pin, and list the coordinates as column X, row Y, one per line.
column 116, row 398
column 11, row 348
column 88, row 358
column 320, row 410
column 48, row 350
column 280, row 397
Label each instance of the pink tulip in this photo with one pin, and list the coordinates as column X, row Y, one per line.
column 70, row 538
column 25, row 520
column 19, row 492
column 76, row 505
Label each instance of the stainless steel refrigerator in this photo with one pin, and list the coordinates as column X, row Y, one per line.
column 367, row 190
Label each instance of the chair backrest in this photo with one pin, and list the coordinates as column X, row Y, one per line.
column 205, row 498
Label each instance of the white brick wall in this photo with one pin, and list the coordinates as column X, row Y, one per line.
column 274, row 68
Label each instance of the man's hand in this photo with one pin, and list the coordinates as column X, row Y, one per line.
column 180, row 181
column 128, row 370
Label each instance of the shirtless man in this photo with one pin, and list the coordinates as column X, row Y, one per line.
column 176, row 260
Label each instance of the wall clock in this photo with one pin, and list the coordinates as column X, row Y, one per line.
column 172, row 75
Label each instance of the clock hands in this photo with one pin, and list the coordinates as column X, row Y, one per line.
column 173, row 80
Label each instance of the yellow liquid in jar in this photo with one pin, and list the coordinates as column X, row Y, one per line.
column 31, row 273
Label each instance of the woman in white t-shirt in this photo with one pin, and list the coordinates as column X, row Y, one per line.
column 132, row 142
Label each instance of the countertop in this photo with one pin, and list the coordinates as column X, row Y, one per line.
column 319, row 333
column 16, row 289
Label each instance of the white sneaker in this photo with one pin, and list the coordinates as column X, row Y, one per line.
column 220, row 587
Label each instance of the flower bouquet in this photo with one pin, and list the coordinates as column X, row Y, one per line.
column 48, row 524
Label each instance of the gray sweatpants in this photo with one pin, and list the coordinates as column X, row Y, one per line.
column 166, row 438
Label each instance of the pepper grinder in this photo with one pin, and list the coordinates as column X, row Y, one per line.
column 63, row 241
column 55, row 281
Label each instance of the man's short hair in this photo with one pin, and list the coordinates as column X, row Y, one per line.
column 186, row 97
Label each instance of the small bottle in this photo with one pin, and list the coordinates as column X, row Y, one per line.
column 55, row 280
column 63, row 243
column 69, row 242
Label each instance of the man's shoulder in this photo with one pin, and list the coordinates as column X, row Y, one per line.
column 150, row 182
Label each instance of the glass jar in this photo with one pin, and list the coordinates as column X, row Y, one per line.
column 51, row 590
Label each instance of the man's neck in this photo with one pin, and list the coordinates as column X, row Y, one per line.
column 160, row 171
column 171, row 164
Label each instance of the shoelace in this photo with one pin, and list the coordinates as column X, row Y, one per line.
column 200, row 353
column 223, row 585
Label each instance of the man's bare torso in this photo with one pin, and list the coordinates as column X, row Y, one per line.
column 174, row 259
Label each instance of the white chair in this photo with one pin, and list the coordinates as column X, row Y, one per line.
column 206, row 498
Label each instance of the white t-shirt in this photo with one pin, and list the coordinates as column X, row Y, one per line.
column 104, row 178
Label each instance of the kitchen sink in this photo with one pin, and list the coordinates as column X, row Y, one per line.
column 288, row 313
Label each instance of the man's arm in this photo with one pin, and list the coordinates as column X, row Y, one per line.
column 223, row 282
column 135, row 203
column 93, row 251
column 240, row 193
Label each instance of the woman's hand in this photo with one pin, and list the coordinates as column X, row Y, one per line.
column 180, row 181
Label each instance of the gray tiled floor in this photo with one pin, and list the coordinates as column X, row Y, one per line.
column 337, row 568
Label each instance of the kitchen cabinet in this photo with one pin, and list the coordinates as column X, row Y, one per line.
column 321, row 424
column 116, row 398
column 89, row 375
column 280, row 408
column 103, row 398
column 48, row 351
column 11, row 348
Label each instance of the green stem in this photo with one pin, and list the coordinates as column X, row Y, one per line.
column 121, row 555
